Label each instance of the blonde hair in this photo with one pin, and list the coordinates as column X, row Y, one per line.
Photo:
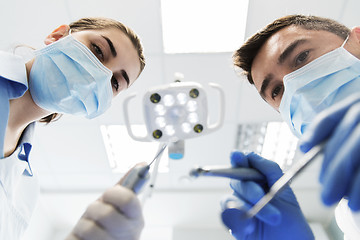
column 99, row 23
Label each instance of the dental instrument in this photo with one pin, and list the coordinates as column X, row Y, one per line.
column 246, row 174
column 285, row 179
column 139, row 175
column 249, row 174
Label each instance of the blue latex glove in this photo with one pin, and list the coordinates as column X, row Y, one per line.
column 340, row 172
column 280, row 219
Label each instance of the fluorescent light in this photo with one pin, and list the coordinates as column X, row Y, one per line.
column 203, row 25
column 123, row 152
column 279, row 144
column 271, row 140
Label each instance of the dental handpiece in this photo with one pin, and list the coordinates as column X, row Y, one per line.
column 249, row 174
column 139, row 175
column 136, row 178
column 246, row 174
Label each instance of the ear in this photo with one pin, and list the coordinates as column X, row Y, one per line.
column 353, row 43
column 354, row 37
column 58, row 33
column 356, row 32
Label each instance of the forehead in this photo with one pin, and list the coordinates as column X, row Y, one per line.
column 116, row 35
column 266, row 61
column 280, row 40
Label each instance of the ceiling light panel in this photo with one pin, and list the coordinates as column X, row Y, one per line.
column 123, row 152
column 203, row 25
column 271, row 140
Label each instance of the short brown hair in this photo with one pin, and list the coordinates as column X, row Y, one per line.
column 244, row 56
column 98, row 24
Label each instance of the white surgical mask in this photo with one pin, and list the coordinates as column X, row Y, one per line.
column 318, row 85
column 66, row 77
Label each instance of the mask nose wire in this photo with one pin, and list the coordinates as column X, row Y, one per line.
column 347, row 38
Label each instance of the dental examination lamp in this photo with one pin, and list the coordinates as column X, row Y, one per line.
column 175, row 112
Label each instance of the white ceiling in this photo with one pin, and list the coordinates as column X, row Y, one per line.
column 70, row 157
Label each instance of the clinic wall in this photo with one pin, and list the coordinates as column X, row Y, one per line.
column 342, row 11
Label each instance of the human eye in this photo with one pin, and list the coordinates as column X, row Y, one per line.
column 276, row 91
column 115, row 83
column 301, row 58
column 97, row 51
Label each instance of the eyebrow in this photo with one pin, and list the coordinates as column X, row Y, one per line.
column 265, row 84
column 126, row 77
column 287, row 52
column 111, row 45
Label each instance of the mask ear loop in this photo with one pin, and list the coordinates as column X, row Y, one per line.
column 346, row 39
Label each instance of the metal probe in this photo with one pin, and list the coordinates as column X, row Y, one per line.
column 246, row 174
column 284, row 180
column 139, row 175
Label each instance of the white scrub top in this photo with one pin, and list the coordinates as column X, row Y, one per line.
column 348, row 221
column 19, row 188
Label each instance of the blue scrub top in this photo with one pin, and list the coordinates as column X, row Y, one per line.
column 19, row 188
column 13, row 84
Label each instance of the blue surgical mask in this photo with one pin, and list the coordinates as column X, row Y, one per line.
column 66, row 77
column 318, row 85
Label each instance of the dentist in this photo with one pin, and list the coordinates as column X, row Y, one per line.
column 82, row 67
column 308, row 69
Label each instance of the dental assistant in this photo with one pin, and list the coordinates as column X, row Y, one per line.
column 308, row 69
column 82, row 67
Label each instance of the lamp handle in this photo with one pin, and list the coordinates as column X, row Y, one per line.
column 220, row 121
column 127, row 121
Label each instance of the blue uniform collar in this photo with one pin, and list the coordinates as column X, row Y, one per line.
column 12, row 68
column 25, row 146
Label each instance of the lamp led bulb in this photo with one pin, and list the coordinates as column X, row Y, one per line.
column 181, row 98
column 191, row 106
column 193, row 117
column 170, row 130
column 169, row 100
column 186, row 127
column 160, row 122
column 160, row 109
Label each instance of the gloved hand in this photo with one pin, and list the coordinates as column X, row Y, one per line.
column 279, row 219
column 115, row 215
column 340, row 172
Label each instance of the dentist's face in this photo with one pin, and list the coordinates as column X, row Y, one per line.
column 284, row 52
column 115, row 50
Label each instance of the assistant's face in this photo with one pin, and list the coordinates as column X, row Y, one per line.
column 115, row 50
column 286, row 51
